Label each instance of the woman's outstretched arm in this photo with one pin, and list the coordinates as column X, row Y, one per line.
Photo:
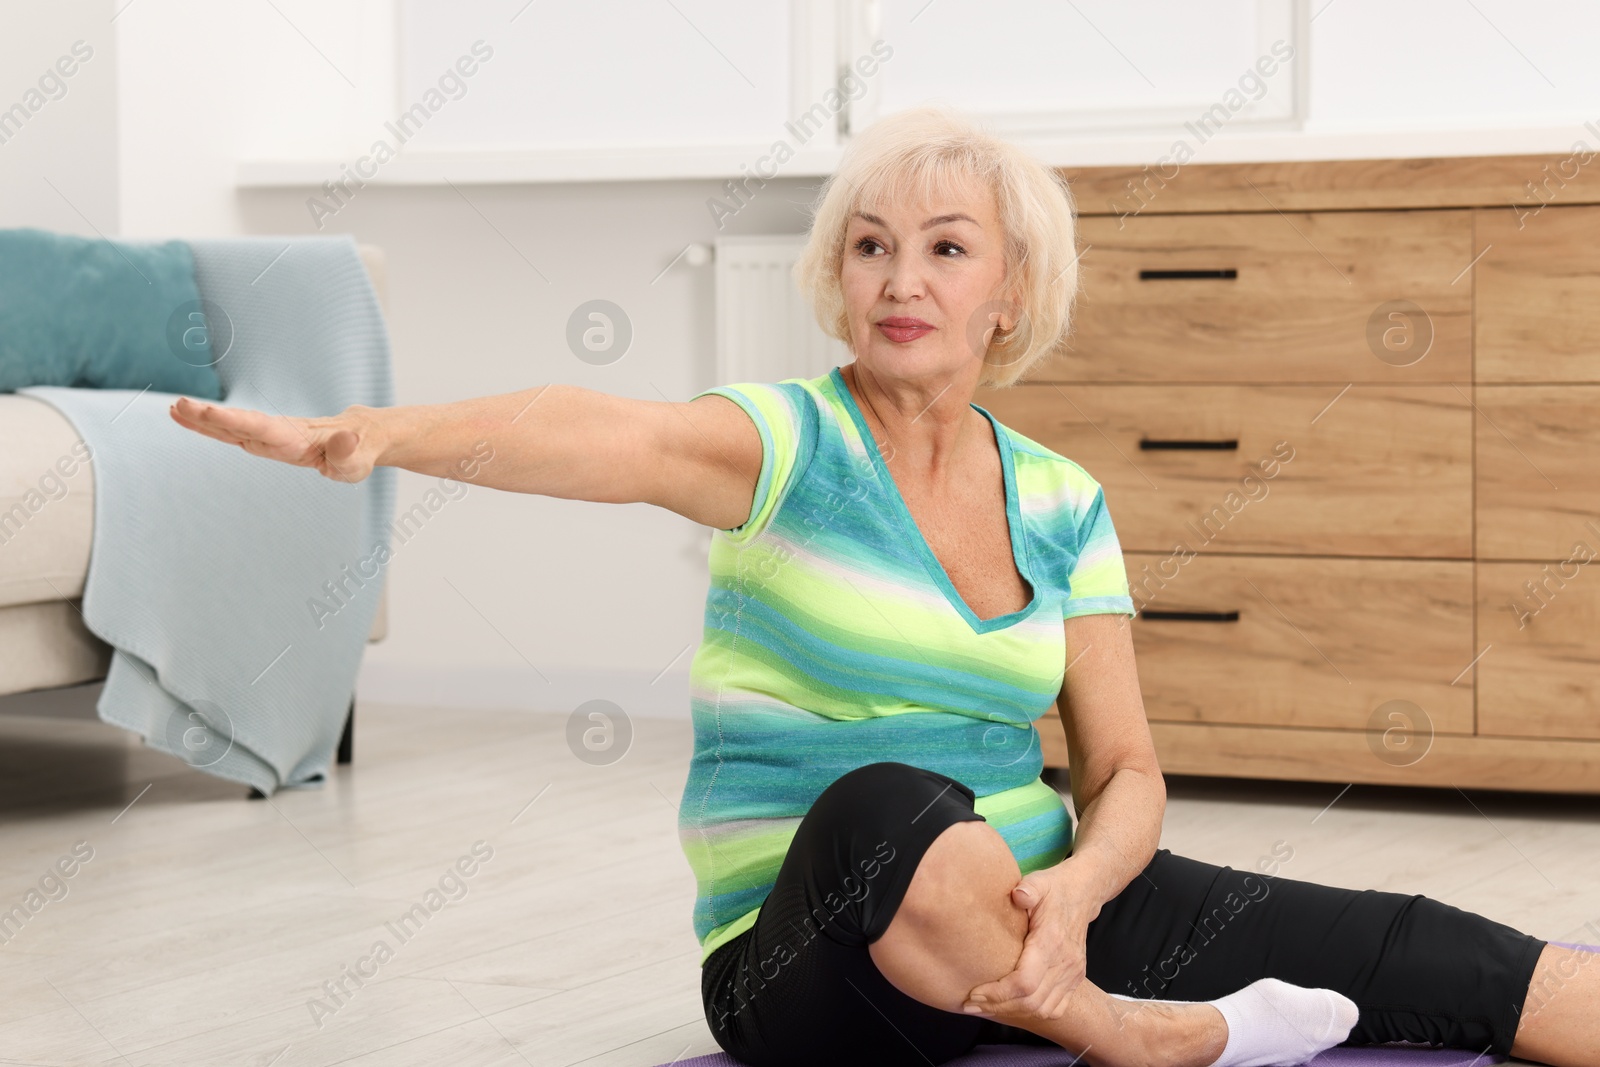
column 700, row 459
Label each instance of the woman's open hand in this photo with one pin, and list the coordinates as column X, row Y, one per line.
column 342, row 448
column 1052, row 962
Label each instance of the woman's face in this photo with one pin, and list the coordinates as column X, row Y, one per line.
column 923, row 285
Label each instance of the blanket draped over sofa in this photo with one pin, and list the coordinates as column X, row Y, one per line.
column 238, row 592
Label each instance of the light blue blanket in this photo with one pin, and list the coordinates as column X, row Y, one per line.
column 239, row 592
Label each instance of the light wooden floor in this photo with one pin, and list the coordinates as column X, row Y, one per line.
column 206, row 924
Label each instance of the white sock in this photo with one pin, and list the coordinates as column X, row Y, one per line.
column 1272, row 1023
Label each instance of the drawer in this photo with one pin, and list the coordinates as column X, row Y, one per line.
column 1342, row 296
column 1540, row 623
column 1310, row 642
column 1538, row 295
column 1537, row 485
column 1372, row 470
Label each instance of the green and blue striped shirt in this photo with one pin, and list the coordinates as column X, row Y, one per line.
column 834, row 638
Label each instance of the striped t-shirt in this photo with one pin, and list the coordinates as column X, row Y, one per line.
column 834, row 638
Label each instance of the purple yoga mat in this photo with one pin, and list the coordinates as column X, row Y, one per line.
column 1039, row 1056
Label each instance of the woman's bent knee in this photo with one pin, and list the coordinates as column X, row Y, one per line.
column 967, row 869
column 863, row 838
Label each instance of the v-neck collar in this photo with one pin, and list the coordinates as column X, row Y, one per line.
column 930, row 562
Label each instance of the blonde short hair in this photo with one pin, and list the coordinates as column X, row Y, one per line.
column 927, row 151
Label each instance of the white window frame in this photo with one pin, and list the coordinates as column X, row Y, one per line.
column 1286, row 20
column 826, row 38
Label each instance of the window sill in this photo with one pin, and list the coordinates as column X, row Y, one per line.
column 487, row 166
column 483, row 166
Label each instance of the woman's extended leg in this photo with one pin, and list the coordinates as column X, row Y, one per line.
column 1560, row 1021
column 1420, row 970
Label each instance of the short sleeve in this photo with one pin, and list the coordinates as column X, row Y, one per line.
column 1099, row 577
column 786, row 420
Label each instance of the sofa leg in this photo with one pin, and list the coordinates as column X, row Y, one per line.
column 346, row 748
column 347, row 739
column 256, row 794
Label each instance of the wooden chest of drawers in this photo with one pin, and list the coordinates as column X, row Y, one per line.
column 1347, row 417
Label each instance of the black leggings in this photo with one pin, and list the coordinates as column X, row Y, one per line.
column 799, row 987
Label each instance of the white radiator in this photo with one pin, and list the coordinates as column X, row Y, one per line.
column 765, row 330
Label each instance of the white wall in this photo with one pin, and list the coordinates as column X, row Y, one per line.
column 58, row 150
column 601, row 599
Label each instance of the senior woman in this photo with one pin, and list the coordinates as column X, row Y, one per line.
column 900, row 586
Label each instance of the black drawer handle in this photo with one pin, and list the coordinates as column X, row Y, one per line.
column 1149, row 443
column 1192, row 616
column 1228, row 273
